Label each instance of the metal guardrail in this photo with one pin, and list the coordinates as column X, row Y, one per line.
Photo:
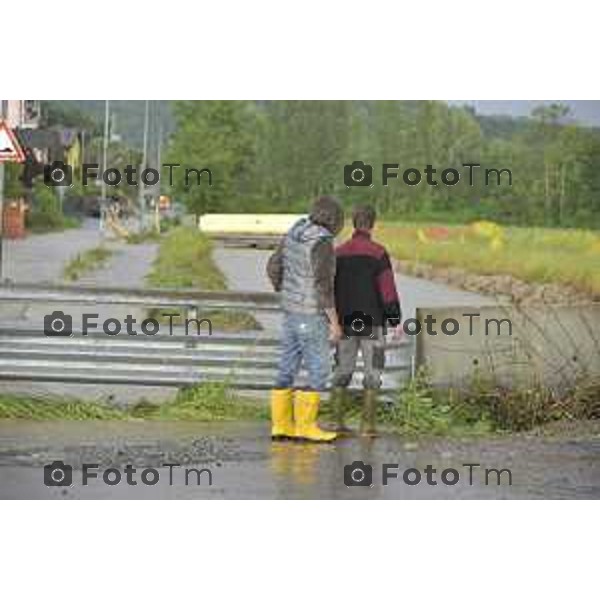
column 226, row 300
column 245, row 360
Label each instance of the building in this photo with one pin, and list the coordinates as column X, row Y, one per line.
column 22, row 114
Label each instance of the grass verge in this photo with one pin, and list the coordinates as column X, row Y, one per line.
column 42, row 223
column 489, row 409
column 208, row 402
column 147, row 237
column 416, row 411
column 185, row 261
column 86, row 262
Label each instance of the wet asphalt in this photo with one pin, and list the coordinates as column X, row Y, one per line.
column 238, row 461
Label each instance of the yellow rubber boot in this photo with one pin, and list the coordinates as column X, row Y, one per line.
column 306, row 410
column 282, row 414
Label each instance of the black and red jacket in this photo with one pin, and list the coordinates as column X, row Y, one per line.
column 364, row 280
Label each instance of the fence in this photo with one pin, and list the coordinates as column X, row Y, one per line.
column 244, row 360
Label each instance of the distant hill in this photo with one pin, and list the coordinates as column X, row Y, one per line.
column 584, row 112
column 501, row 118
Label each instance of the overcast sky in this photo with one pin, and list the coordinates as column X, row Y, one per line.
column 584, row 111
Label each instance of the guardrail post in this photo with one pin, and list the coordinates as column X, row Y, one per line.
column 191, row 312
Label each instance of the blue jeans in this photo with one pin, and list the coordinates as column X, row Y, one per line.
column 305, row 339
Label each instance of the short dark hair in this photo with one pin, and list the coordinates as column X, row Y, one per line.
column 363, row 217
column 327, row 211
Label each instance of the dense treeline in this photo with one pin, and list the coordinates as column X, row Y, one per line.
column 275, row 155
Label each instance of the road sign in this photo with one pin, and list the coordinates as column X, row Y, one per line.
column 10, row 150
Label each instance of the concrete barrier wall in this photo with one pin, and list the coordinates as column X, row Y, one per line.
column 551, row 345
column 260, row 224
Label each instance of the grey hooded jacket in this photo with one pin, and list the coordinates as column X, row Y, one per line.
column 303, row 268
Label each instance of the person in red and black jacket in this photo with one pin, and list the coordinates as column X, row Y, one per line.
column 367, row 302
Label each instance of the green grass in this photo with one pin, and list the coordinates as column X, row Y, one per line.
column 416, row 410
column 568, row 257
column 45, row 223
column 486, row 408
column 185, row 261
column 41, row 409
column 86, row 262
column 208, row 402
column 147, row 237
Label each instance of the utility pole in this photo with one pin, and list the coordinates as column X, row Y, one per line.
column 159, row 167
column 159, row 143
column 141, row 187
column 104, row 161
column 1, row 217
column 1, row 205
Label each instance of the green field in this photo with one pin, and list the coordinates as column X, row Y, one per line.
column 569, row 257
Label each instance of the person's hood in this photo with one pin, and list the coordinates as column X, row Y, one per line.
column 305, row 230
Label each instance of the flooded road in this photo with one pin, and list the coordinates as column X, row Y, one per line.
column 238, row 461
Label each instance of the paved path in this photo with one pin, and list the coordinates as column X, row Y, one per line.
column 127, row 267
column 42, row 258
column 245, row 270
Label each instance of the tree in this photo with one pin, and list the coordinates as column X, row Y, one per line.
column 215, row 135
column 275, row 156
column 548, row 118
column 305, row 147
column 61, row 114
